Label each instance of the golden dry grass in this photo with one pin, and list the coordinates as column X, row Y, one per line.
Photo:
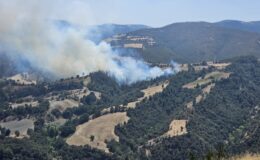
column 22, row 126
column 86, row 81
column 201, row 97
column 207, row 89
column 32, row 104
column 63, row 104
column 150, row 91
column 177, row 128
column 102, row 128
column 184, row 67
column 20, row 79
column 133, row 45
column 220, row 65
column 247, row 157
column 207, row 79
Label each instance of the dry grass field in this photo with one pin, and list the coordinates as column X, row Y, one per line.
column 150, row 91
column 177, row 128
column 133, row 45
column 207, row 89
column 207, row 79
column 219, row 65
column 247, row 157
column 32, row 104
column 97, row 131
column 201, row 97
column 63, row 105
column 22, row 126
column 22, row 79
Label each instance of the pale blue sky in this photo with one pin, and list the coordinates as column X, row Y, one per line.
column 162, row 12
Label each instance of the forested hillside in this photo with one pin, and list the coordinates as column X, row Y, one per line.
column 192, row 42
column 240, row 25
column 225, row 123
column 214, row 112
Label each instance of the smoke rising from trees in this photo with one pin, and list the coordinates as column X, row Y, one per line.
column 27, row 29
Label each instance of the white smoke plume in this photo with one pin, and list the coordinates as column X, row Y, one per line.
column 27, row 29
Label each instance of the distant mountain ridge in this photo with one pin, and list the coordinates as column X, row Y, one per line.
column 193, row 41
column 99, row 32
column 253, row 26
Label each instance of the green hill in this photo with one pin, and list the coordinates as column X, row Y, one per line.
column 191, row 42
column 240, row 25
column 214, row 120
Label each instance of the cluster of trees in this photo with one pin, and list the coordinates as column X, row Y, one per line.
column 24, row 111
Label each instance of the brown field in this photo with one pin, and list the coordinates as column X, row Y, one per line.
column 22, row 79
column 63, row 105
column 217, row 75
column 219, row 65
column 86, row 81
column 189, row 105
column 207, row 89
column 201, row 97
column 177, row 128
column 133, row 45
column 80, row 93
column 207, row 79
column 150, row 91
column 102, row 128
column 58, row 122
column 22, row 126
column 199, row 68
column 33, row 104
column 247, row 157
column 184, row 67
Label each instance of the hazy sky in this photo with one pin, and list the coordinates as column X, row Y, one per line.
column 162, row 12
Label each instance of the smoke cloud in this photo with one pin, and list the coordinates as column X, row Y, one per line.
column 27, row 29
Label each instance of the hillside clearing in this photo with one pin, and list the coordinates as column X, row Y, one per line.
column 63, row 104
column 207, row 79
column 150, row 91
column 200, row 97
column 219, row 65
column 22, row 126
column 177, row 128
column 23, row 79
column 31, row 104
column 247, row 157
column 95, row 132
